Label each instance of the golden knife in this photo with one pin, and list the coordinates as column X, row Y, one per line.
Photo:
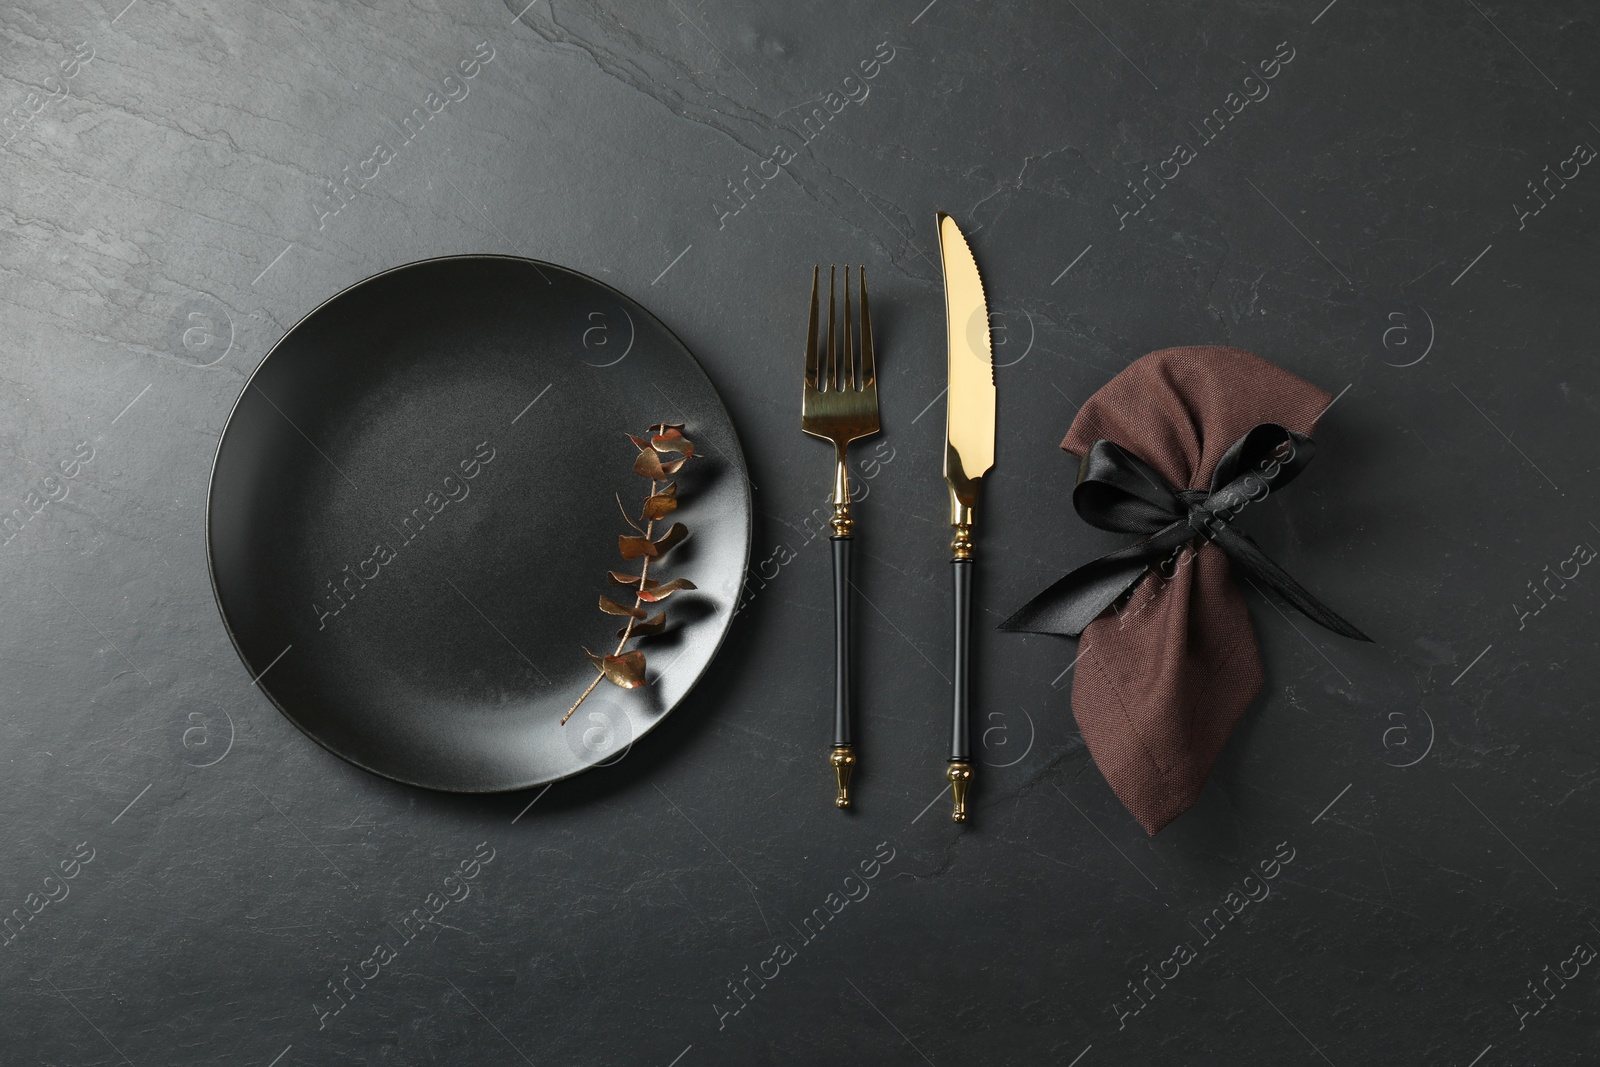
column 968, row 456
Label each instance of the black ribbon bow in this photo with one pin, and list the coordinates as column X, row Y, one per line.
column 1118, row 491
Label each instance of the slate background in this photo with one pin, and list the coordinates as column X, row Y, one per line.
column 1436, row 787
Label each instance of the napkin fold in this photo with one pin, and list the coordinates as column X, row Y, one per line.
column 1165, row 674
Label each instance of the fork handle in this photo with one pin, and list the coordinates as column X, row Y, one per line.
column 843, row 756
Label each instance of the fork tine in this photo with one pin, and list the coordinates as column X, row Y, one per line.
column 830, row 372
column 869, row 369
column 848, row 372
column 811, row 336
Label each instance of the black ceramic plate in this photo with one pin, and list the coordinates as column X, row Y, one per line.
column 412, row 513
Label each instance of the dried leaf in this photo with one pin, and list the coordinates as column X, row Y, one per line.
column 649, row 465
column 678, row 532
column 611, row 607
column 642, row 444
column 626, row 670
column 649, row 628
column 681, row 445
column 663, row 427
column 659, row 505
column 659, row 592
column 637, row 547
column 626, row 581
column 671, row 439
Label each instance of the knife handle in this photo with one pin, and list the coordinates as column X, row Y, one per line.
column 960, row 770
column 843, row 756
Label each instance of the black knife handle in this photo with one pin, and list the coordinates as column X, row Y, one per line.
column 960, row 770
column 843, row 756
column 960, row 724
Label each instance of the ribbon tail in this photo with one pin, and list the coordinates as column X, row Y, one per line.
column 1078, row 598
column 1248, row 555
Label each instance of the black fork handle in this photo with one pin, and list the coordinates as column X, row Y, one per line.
column 843, row 728
column 843, row 755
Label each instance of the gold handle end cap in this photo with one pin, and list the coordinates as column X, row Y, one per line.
column 960, row 775
column 843, row 759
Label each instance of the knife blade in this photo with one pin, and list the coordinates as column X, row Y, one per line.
column 968, row 457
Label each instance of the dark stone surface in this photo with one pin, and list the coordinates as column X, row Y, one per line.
column 161, row 218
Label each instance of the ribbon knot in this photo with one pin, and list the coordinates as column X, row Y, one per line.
column 1205, row 510
column 1118, row 491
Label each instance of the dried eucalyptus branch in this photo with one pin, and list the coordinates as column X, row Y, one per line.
column 627, row 669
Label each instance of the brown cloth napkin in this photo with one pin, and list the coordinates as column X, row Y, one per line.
column 1162, row 681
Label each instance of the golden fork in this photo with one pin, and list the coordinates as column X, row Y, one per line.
column 840, row 405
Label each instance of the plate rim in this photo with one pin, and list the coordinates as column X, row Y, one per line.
column 211, row 485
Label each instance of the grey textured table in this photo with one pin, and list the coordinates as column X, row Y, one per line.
column 1399, row 212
